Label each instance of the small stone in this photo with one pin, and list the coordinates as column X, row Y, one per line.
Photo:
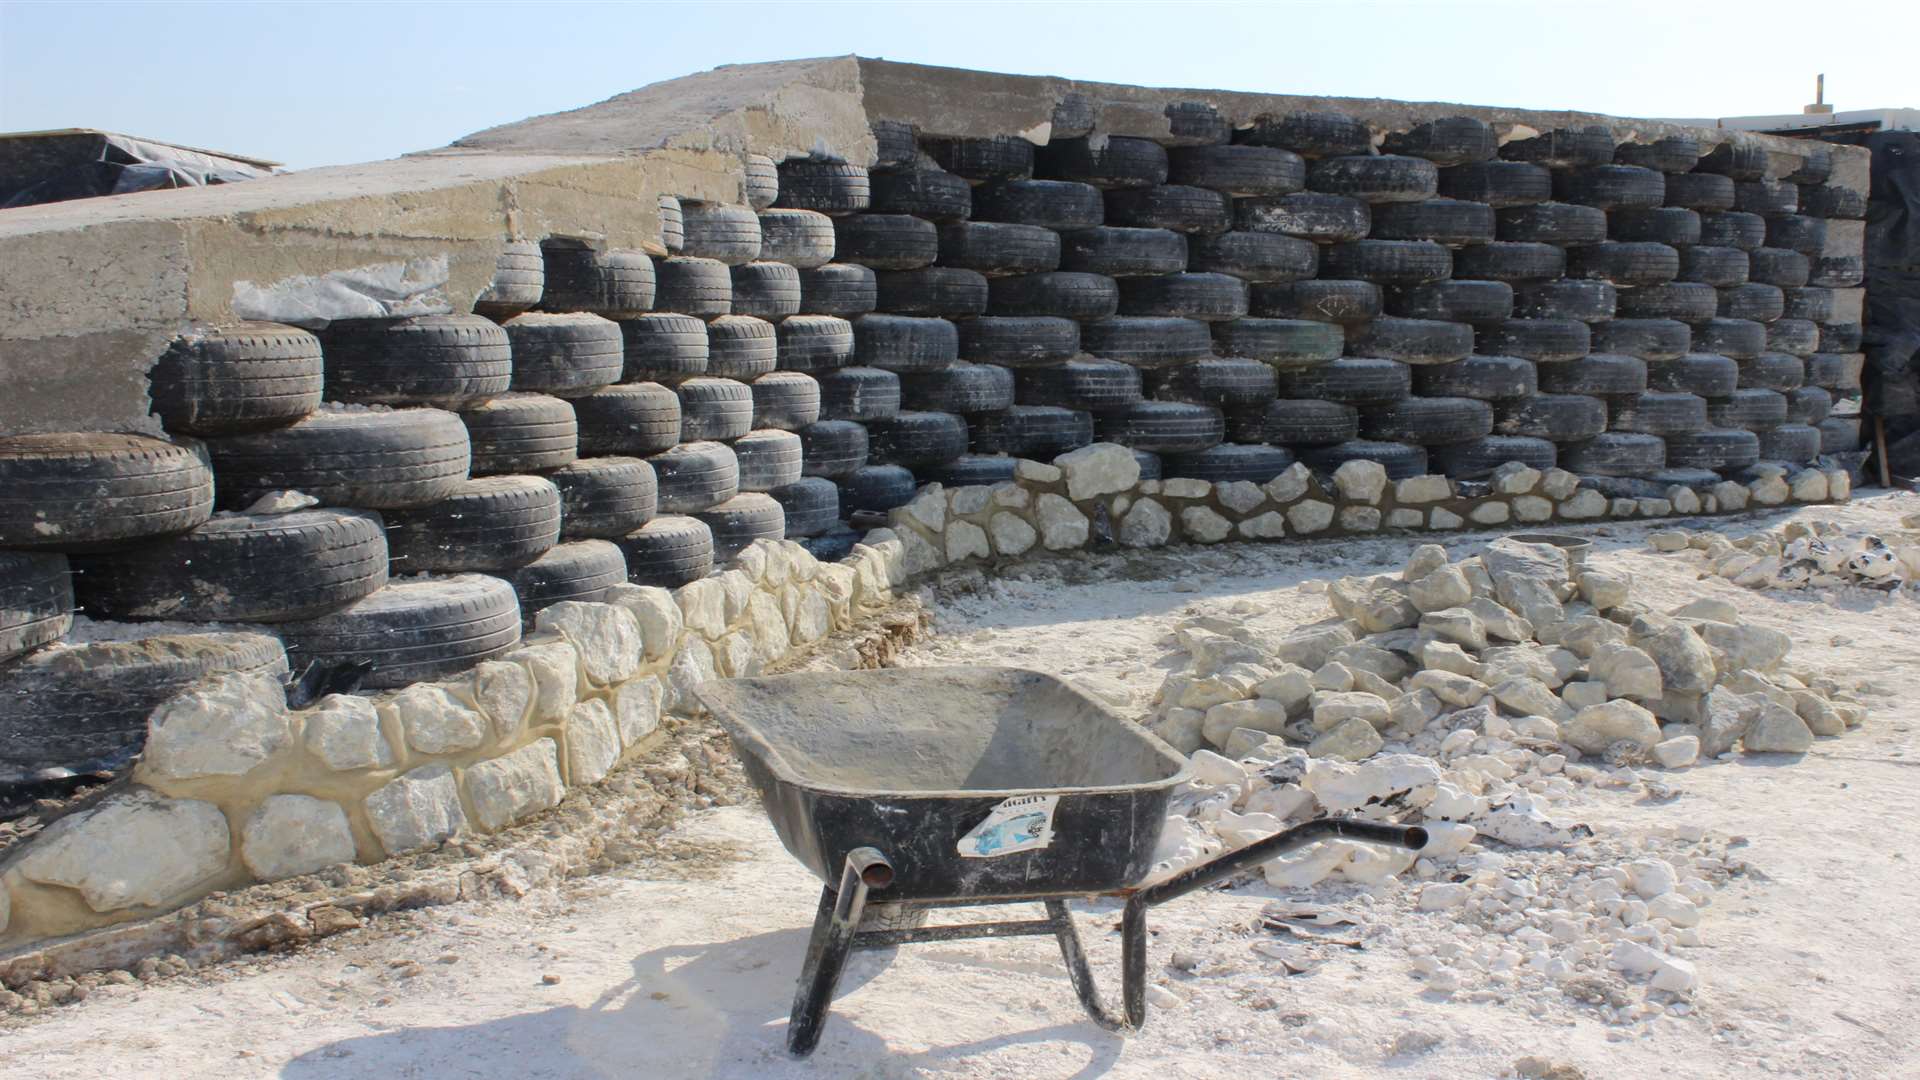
column 1258, row 714
column 1011, row 534
column 1584, row 634
column 965, row 540
column 226, row 725
column 1289, row 485
column 1708, row 609
column 1333, row 709
column 1415, row 490
column 1268, row 526
column 1677, row 753
column 1532, row 508
column 1204, row 525
column 1558, row 484
column 1405, row 518
column 968, row 500
column 343, row 731
column 1100, row 469
column 516, row 785
column 1769, row 490
column 1839, row 485
column 1425, row 559
column 606, row 637
column 1669, row 540
column 593, row 742
column 1351, row 740
column 1623, row 507
column 928, row 509
column 1458, row 625
column 1514, row 478
column 1443, row 896
column 417, row 810
column 1147, row 524
column 1036, row 472
column 1062, row 526
column 1444, row 588
column 1604, row 591
column 1686, row 664
column 1490, row 513
column 1333, row 676
column 1580, row 695
column 1239, row 496
column 132, row 849
column 1446, row 656
column 433, row 721
column 657, row 613
column 1373, row 603
column 1181, row 729
column 1530, row 697
column 1654, row 507
column 1626, row 671
column 1675, row 976
column 1587, row 504
column 289, row 835
column 1360, row 481
column 555, row 668
column 1185, row 487
column 703, row 606
column 1360, row 518
column 1442, row 518
column 1808, row 485
column 505, row 694
column 636, row 709
column 1456, row 690
column 1411, row 713
column 1595, row 728
column 1685, row 500
column 1777, row 730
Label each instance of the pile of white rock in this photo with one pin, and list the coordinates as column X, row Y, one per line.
column 1805, row 555
column 1478, row 698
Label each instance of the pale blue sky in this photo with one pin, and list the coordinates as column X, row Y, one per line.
column 319, row 84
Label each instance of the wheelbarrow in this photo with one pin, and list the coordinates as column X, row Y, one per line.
column 970, row 786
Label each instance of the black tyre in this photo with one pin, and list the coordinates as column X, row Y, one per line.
column 1559, row 417
column 1795, row 232
column 663, row 346
column 1177, row 207
column 668, row 552
column 996, row 157
column 827, row 187
column 1216, row 380
column 414, row 630
column 1740, row 158
column 489, row 523
column 1774, row 371
column 1353, row 380
column 1768, row 198
column 1164, row 427
column 1835, row 371
column 728, row 234
column 1657, row 412
column 1112, row 162
column 997, row 248
column 1485, row 378
column 717, row 409
column 1611, row 187
column 767, row 459
column 1686, row 301
column 832, row 546
column 690, row 286
column 959, row 388
column 876, row 489
column 36, row 600
column 629, row 419
column 1427, row 421
column 1497, row 183
column 1388, row 262
column 1670, row 225
column 1564, row 148
column 236, row 568
column 446, row 360
column 1722, row 450
column 1207, row 297
column 969, row 470
column 694, row 476
column 1809, row 302
column 1838, row 271
column 1700, row 191
column 1254, row 256
column 84, row 708
column 1411, row 341
column 1018, row 340
column 1840, row 337
column 859, row 393
column 1615, row 453
column 1779, row 267
column 759, row 181
column 1399, row 459
column 1648, row 339
column 1791, row 444
column 1450, row 222
column 77, row 491
column 741, row 520
column 785, row 401
column 1742, row 339
column 673, row 232
column 1046, row 204
column 1795, row 337
column 564, row 355
column 521, row 433
column 1228, row 462
column 1322, row 300
column 1375, row 178
column 1147, row 342
column 605, row 497
column 799, row 238
column 228, row 380
column 1032, row 431
column 1717, row 266
column 616, row 283
column 933, row 194
column 1839, row 434
column 1543, row 341
column 1827, row 201
column 1749, row 409
column 1624, row 263
column 886, row 241
column 808, row 507
column 1450, row 140
column 1061, row 294
column 1454, row 301
column 1554, row 223
column 1309, row 215
column 1601, row 374
column 1310, row 134
column 373, row 460
column 1586, row 301
column 1510, row 262
column 766, row 290
column 1734, row 229
column 1090, row 385
column 902, row 343
column 1308, row 422
column 1669, row 154
column 741, row 347
column 519, row 279
column 1476, row 459
column 832, row 448
column 916, row 438
column 580, row 571
column 815, row 343
column 1123, row 252
column 934, row 290
column 1238, row 170
column 1705, row 374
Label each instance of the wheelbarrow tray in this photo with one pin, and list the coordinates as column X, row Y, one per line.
column 914, row 761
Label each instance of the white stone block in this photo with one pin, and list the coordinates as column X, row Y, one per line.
column 416, row 810
column 289, row 835
column 516, row 785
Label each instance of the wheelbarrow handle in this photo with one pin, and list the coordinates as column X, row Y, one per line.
column 1411, row 837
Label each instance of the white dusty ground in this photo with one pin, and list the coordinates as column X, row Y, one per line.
column 686, row 968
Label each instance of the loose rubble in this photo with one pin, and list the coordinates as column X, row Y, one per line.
column 1805, row 555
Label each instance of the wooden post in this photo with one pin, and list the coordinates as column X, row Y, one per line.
column 1880, row 449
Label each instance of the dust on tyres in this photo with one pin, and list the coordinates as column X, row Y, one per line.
column 580, row 571
column 876, row 488
column 741, row 520
column 1163, row 427
column 1309, row 422
column 1400, row 460
column 814, row 343
column 1559, row 417
column 419, row 628
column 227, row 380
column 694, row 476
column 521, row 433
column 1018, row 340
column 445, row 360
column 372, row 460
column 1475, row 459
column 916, row 438
column 668, row 552
column 519, row 279
column 1615, row 453
column 1486, row 378
column 663, row 346
column 36, row 600
column 628, row 419
column 605, row 497
column 489, row 523
column 809, row 506
column 1717, row 449
column 74, row 491
column 786, row 400
column 858, row 393
column 1228, row 462
column 767, row 459
column 1086, row 384
column 717, row 409
column 1041, row 432
column 564, row 355
column 832, row 448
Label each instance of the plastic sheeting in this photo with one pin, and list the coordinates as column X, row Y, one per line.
column 82, row 165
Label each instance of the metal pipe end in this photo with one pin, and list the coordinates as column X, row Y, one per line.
column 873, row 867
column 1415, row 838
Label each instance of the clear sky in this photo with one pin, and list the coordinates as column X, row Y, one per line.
column 319, row 84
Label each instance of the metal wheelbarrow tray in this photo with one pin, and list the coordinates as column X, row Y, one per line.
column 943, row 787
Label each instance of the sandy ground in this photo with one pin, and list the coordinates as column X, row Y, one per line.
column 686, row 968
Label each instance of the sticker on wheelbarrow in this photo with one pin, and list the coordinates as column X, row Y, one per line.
column 1022, row 823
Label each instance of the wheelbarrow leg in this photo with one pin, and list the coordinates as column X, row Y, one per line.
column 833, row 929
column 1133, row 966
